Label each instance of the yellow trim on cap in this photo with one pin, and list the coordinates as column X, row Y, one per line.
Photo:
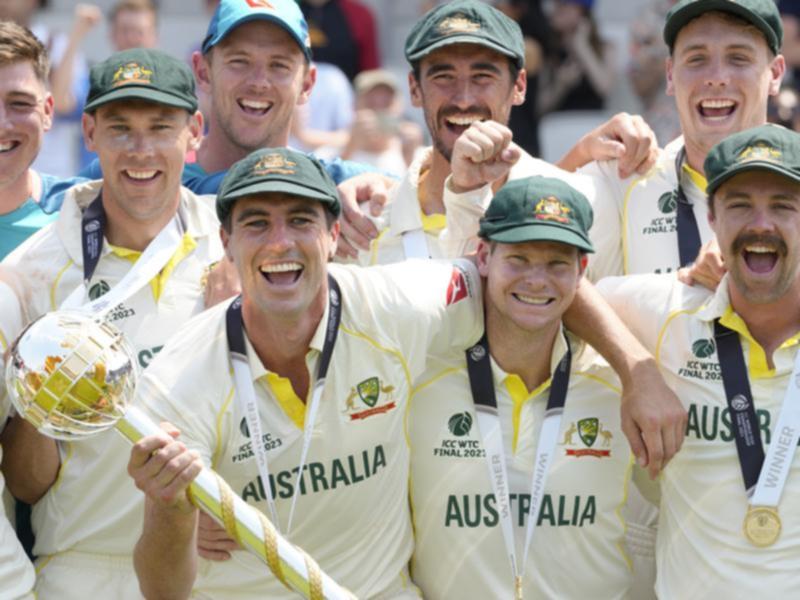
column 288, row 400
column 757, row 366
column 187, row 245
column 698, row 179
column 519, row 396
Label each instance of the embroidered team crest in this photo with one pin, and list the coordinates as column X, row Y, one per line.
column 132, row 73
column 460, row 424
column 369, row 390
column 703, row 348
column 667, row 202
column 760, row 151
column 587, row 430
column 552, row 209
column 458, row 24
column 274, row 163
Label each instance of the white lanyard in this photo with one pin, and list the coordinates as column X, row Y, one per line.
column 154, row 258
column 483, row 395
column 245, row 393
column 782, row 448
column 414, row 244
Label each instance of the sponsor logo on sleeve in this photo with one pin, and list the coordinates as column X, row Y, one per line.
column 458, row 288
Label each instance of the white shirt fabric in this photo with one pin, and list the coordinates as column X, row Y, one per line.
column 352, row 513
column 577, row 550
column 701, row 549
column 16, row 571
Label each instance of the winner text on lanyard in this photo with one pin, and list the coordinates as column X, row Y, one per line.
column 154, row 258
column 246, row 394
column 764, row 478
column 481, row 383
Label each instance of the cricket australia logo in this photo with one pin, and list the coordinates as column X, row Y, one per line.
column 378, row 398
column 132, row 73
column 760, row 152
column 552, row 209
column 588, row 430
column 458, row 24
column 274, row 163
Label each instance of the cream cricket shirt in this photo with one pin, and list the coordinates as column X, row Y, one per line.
column 93, row 506
column 16, row 571
column 404, row 214
column 701, row 549
column 635, row 219
column 577, row 549
column 352, row 511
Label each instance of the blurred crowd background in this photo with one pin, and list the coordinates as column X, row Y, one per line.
column 586, row 60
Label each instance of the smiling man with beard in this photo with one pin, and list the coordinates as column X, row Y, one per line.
column 729, row 525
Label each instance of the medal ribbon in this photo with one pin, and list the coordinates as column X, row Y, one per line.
column 764, row 486
column 246, row 394
column 688, row 233
column 481, row 383
column 154, row 258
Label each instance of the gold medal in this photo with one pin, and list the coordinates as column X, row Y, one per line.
column 762, row 525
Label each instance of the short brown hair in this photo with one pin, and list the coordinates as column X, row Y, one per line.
column 18, row 44
column 133, row 6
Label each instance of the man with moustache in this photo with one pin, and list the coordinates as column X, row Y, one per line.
column 728, row 525
column 142, row 242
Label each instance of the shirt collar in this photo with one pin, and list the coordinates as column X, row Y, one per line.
column 559, row 348
column 405, row 207
column 718, row 304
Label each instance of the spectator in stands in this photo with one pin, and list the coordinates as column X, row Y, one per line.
column 646, row 72
column 133, row 24
column 343, row 32
column 379, row 135
column 580, row 73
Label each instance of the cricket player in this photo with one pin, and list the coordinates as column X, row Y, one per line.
column 724, row 65
column 365, row 333
column 467, row 69
column 255, row 67
column 728, row 522
column 140, row 231
column 28, row 199
column 519, row 467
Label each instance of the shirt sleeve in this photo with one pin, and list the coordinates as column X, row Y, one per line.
column 643, row 302
column 464, row 212
column 11, row 324
column 606, row 198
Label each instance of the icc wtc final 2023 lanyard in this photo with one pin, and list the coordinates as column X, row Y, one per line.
column 688, row 233
column 246, row 394
column 481, row 381
column 149, row 265
column 764, row 478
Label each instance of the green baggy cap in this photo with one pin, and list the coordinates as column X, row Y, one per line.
column 141, row 74
column 763, row 14
column 277, row 170
column 466, row 22
column 538, row 209
column 766, row 148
